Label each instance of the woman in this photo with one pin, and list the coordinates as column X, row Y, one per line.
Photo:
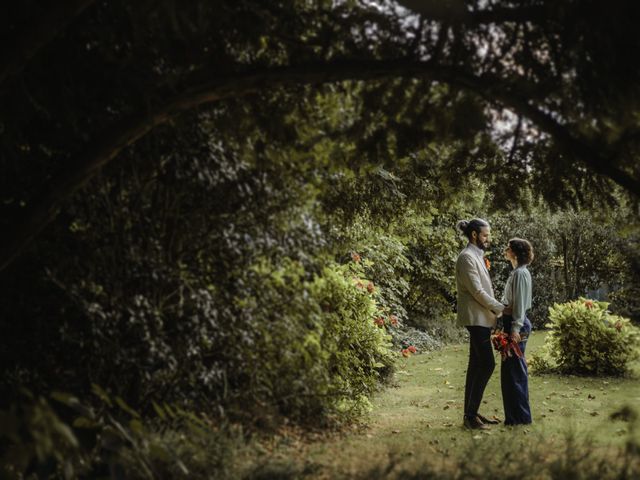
column 517, row 296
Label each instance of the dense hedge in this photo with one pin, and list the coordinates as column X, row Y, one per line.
column 222, row 280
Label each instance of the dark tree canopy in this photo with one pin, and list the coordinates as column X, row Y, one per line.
column 554, row 84
column 246, row 209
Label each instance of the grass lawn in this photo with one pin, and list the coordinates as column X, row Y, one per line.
column 419, row 417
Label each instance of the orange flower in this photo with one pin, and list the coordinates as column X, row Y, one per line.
column 487, row 263
column 406, row 353
column 412, row 349
column 370, row 287
column 589, row 303
column 393, row 320
column 379, row 321
column 355, row 257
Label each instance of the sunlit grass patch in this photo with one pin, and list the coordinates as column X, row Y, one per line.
column 418, row 421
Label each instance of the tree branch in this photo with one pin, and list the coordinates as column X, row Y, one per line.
column 516, row 138
column 42, row 209
column 43, row 30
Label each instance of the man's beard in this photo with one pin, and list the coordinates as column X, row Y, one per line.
column 483, row 246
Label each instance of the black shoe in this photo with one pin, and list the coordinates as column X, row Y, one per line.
column 474, row 424
column 493, row 421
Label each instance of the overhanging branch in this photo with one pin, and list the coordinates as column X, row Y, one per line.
column 42, row 209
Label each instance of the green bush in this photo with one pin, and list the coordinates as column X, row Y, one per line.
column 385, row 262
column 317, row 352
column 586, row 338
column 62, row 437
column 409, row 259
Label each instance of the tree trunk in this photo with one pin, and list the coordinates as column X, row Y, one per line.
column 577, row 285
column 565, row 265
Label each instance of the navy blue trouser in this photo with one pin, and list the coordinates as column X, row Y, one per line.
column 479, row 370
column 514, row 381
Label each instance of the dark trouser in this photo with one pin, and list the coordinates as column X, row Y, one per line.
column 515, row 382
column 481, row 365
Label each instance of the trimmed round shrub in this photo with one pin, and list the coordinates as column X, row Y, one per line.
column 587, row 339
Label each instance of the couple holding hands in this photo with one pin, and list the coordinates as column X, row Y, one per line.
column 478, row 311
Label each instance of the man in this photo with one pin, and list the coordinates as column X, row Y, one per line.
column 477, row 311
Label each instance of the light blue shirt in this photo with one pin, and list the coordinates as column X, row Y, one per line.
column 517, row 294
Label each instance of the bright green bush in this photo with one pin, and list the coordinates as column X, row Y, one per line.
column 385, row 261
column 317, row 353
column 587, row 339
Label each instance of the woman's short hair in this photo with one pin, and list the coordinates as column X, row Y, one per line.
column 468, row 226
column 522, row 249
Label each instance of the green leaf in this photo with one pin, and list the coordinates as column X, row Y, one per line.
column 123, row 405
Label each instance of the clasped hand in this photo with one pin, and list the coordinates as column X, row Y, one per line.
column 508, row 311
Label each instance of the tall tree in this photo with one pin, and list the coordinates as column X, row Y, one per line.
column 553, row 79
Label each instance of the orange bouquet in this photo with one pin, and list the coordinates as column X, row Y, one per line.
column 506, row 345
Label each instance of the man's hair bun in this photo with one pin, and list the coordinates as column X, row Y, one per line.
column 462, row 225
column 466, row 226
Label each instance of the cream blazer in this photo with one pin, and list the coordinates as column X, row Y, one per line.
column 476, row 305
